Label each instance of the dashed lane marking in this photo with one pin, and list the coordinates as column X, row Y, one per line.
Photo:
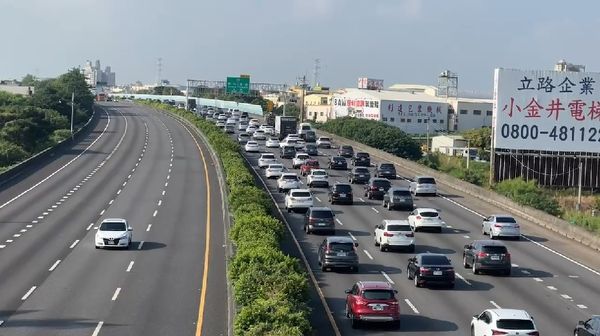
column 116, row 294
column 412, row 306
column 368, row 254
column 567, row 297
column 463, row 279
column 140, row 245
column 339, row 222
column 74, row 244
column 387, row 277
column 28, row 293
column 89, row 227
column 377, row 211
column 148, row 228
column 495, row 305
column 538, row 279
column 130, row 266
column 53, row 267
column 580, row 306
column 351, row 236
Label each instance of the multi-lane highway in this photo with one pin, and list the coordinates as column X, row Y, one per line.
column 553, row 278
column 138, row 164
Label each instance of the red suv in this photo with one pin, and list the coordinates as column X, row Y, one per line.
column 308, row 165
column 372, row 301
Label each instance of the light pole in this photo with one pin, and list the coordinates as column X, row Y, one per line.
column 72, row 110
column 468, row 153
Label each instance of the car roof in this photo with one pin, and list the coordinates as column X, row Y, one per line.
column 115, row 220
column 503, row 215
column 289, row 174
column 505, row 313
column 374, row 285
column 252, row 142
column 423, row 176
column 396, row 221
column 379, row 179
column 319, row 208
column 292, row 190
column 320, row 170
column 432, row 254
column 267, row 154
column 399, row 189
column 342, row 183
column 489, row 242
column 426, row 209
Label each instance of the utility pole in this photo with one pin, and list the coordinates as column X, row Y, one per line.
column 578, row 207
column 72, row 110
column 303, row 86
column 468, row 153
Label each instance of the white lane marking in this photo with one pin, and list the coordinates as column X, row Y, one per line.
column 368, row 254
column 74, row 243
column 538, row 279
column 28, row 293
column 159, row 202
column 119, row 191
column 574, row 276
column 137, row 164
column 163, row 193
column 124, row 183
column 377, row 211
column 565, row 296
column 40, row 217
column 111, row 201
column 55, row 206
column 449, row 226
column 34, row 221
column 45, row 213
column 318, row 199
column 29, row 226
column 102, row 212
column 1, row 323
column 525, row 272
column 50, row 210
column 412, row 306
column 463, row 279
column 155, row 212
column 9, row 240
column 338, row 221
column 132, row 170
column 2, row 246
column 580, row 306
column 17, row 235
column 362, row 200
column 495, row 305
column 467, row 237
column 168, row 177
column 116, row 294
column 170, row 170
column 54, row 266
column 515, row 265
column 552, row 288
column 89, row 227
column 98, row 327
column 23, row 230
column 387, row 277
column 149, row 226
column 129, row 176
column 140, row 245
column 351, row 236
column 166, row 184
column 130, row 266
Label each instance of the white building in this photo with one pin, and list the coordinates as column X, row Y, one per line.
column 95, row 76
column 453, row 145
column 469, row 113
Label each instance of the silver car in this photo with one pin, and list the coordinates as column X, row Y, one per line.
column 423, row 185
column 501, row 226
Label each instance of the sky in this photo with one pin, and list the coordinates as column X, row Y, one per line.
column 277, row 41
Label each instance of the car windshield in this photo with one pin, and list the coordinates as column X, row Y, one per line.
column 401, row 193
column 378, row 294
column 341, row 247
column 361, row 154
column 321, row 214
column 361, row 170
column 428, row 214
column 275, row 166
column 319, row 172
column 323, row 139
column 398, row 227
column 290, row 177
column 386, row 166
column 311, row 146
column 435, row 260
column 250, row 143
column 289, row 149
column 268, row 156
column 292, row 141
column 494, row 249
column 505, row 220
column 305, row 127
column 343, row 188
column 244, row 135
column 338, row 159
column 302, row 156
column 426, row 180
column 381, row 183
column 513, row 324
column 108, row 226
column 301, row 194
column 348, row 148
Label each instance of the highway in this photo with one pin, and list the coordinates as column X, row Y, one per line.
column 138, row 164
column 553, row 278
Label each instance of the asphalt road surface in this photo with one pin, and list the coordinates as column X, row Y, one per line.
column 141, row 165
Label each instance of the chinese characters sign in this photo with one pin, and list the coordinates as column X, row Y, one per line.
column 356, row 107
column 414, row 109
column 547, row 110
column 370, row 84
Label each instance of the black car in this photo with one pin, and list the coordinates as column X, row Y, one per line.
column 361, row 159
column 430, row 268
column 377, row 187
column 311, row 149
column 338, row 162
column 346, row 151
column 359, row 175
column 341, row 193
column 591, row 327
column 287, row 152
column 386, row 170
column 319, row 219
column 487, row 255
column 338, row 252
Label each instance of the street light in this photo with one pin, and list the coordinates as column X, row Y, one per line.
column 72, row 109
column 468, row 152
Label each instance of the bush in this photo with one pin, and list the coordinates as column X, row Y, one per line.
column 529, row 194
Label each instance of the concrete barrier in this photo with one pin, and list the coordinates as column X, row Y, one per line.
column 532, row 215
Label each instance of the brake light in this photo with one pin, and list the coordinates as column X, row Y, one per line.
column 497, row 225
column 482, row 255
column 498, row 332
column 387, row 234
column 516, row 226
column 418, row 217
column 424, row 270
column 410, row 234
column 360, row 301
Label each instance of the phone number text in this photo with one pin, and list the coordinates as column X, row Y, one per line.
column 556, row 133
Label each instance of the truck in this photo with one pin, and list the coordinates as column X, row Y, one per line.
column 285, row 125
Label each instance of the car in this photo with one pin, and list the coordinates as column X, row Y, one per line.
column 487, row 255
column 430, row 268
column 386, row 170
column 310, row 136
column 229, row 128
column 341, row 193
column 288, row 142
column 287, row 152
column 309, row 165
column 317, row 177
column 113, row 233
column 299, row 160
column 393, row 234
column 372, row 301
column 303, row 128
column 362, row 159
column 426, row 218
column 503, row 322
column 311, row 149
column 338, row 252
column 319, row 219
column 423, row 185
column 251, row 129
column 299, row 144
column 501, row 226
column 377, row 187
column 259, row 135
column 359, row 175
column 398, row 197
column 243, row 138
column 272, row 143
column 288, row 181
column 337, row 162
column 266, row 159
column 251, row 147
column 254, row 122
column 589, row 327
column 346, row 151
column 293, row 136
column 323, row 142
column 242, row 126
column 298, row 199
column 270, row 130
column 220, row 124
column 274, row 170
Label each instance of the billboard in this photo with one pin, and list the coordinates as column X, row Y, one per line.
column 365, row 108
column 370, row 83
column 547, row 110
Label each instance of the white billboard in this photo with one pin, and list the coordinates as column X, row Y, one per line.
column 356, row 107
column 547, row 110
column 370, row 83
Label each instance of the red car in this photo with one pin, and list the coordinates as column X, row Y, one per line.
column 372, row 301
column 308, row 166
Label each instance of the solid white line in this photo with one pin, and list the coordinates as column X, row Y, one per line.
column 111, row 202
column 565, row 296
column 351, row 236
column 551, row 288
column 89, row 227
column 74, row 243
column 375, row 209
column 140, row 245
column 538, row 279
column 338, row 221
column 54, row 266
column 28, row 293
column 580, row 306
column 116, row 294
column 495, row 305
column 368, row 254
column 130, row 266
column 159, row 202
column 387, row 277
column 463, row 279
column 98, row 327
column 149, row 226
column 412, row 306
column 155, row 212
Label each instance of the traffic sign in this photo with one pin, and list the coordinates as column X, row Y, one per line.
column 238, row 85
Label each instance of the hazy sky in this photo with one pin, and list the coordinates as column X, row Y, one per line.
column 400, row 41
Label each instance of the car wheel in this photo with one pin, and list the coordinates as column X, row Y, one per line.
column 472, row 331
column 451, row 285
column 408, row 274
column 474, row 268
column 483, row 230
column 382, row 248
column 439, row 230
column 416, row 279
column 323, row 268
column 288, row 209
column 347, row 311
column 375, row 242
column 97, row 247
column 353, row 321
column 369, row 196
column 492, row 235
column 507, row 272
column 465, row 263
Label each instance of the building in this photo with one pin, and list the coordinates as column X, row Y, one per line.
column 95, row 76
column 17, row 89
column 453, row 145
column 563, row 66
column 317, row 107
column 469, row 113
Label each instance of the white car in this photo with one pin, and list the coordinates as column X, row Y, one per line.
column 317, row 177
column 251, row 129
column 501, row 226
column 114, row 232
column 298, row 199
column 423, row 185
column 324, row 142
column 288, row 181
column 251, row 147
column 299, row 160
column 293, row 136
column 509, row 322
column 275, row 170
column 220, row 124
column 272, row 143
column 269, row 130
column 288, row 142
column 259, row 135
column 254, row 122
column 300, row 144
column 242, row 126
column 426, row 218
column 394, row 233
column 266, row 159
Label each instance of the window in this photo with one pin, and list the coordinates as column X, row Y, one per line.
column 515, row 324
column 392, row 119
column 434, row 121
column 489, row 113
column 476, row 112
column 463, row 111
column 419, row 121
column 323, row 100
column 384, row 118
column 321, row 114
column 409, row 120
column 402, row 120
column 378, row 294
column 441, row 121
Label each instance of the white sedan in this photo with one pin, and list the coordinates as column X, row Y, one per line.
column 275, row 170
column 323, row 142
column 299, row 160
column 501, row 226
column 114, row 232
column 426, row 218
column 266, row 159
column 288, row 142
column 251, row 129
column 288, row 181
column 252, row 146
column 259, row 135
column 298, row 199
column 317, row 177
column 272, row 143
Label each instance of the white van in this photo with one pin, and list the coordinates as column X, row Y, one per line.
column 303, row 128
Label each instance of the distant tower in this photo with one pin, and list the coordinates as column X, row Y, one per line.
column 316, row 72
column 447, row 85
column 159, row 72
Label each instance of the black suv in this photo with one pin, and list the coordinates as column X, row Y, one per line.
column 338, row 252
column 319, row 219
column 359, row 175
column 287, row 152
column 311, row 149
column 341, row 193
column 386, row 170
column 346, row 151
column 487, row 255
column 377, row 187
column 361, row 159
column 337, row 162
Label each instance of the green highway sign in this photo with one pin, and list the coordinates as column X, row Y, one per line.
column 238, row 85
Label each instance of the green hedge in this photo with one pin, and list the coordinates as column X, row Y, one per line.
column 528, row 193
column 269, row 287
